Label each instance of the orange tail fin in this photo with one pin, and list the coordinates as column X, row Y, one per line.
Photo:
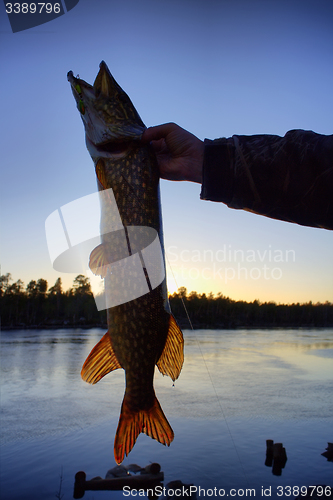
column 152, row 422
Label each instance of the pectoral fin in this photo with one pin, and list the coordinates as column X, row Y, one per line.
column 172, row 357
column 100, row 173
column 98, row 262
column 101, row 361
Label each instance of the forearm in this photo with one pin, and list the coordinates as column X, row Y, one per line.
column 288, row 178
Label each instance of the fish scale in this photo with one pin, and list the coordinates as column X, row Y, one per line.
column 142, row 333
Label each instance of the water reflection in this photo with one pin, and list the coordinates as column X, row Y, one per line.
column 236, row 389
column 265, row 378
column 37, row 351
column 40, row 373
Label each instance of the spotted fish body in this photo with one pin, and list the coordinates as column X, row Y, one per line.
column 141, row 333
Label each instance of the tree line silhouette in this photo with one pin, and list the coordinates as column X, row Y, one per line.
column 37, row 306
column 209, row 311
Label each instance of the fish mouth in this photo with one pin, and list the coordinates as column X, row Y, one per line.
column 113, row 147
column 104, row 84
column 71, row 78
column 110, row 149
column 109, row 117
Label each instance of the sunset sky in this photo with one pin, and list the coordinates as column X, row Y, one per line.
column 216, row 68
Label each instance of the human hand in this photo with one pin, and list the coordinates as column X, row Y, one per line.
column 179, row 153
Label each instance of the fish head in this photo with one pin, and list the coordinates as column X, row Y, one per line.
column 108, row 115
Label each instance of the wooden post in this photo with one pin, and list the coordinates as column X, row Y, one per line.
column 149, row 478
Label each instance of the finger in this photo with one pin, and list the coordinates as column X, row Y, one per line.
column 159, row 146
column 158, row 132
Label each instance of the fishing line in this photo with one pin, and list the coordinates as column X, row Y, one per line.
column 181, row 298
column 211, row 380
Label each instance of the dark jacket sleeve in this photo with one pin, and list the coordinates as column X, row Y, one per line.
column 288, row 178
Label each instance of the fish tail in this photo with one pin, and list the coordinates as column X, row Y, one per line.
column 152, row 422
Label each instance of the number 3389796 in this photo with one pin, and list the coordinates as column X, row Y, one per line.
column 32, row 8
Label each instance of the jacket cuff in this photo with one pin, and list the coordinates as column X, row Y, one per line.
column 217, row 172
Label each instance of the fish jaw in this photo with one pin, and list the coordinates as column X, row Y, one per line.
column 107, row 112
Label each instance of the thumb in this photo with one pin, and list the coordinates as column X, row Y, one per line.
column 158, row 132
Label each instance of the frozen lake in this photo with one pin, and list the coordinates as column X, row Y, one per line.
column 237, row 389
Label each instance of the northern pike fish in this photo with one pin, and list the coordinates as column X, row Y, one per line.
column 142, row 332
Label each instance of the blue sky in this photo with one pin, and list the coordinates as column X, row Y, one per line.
column 216, row 68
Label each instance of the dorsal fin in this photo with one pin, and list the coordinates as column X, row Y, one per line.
column 101, row 361
column 172, row 357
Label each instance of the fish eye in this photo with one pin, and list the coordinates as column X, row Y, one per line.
column 82, row 109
